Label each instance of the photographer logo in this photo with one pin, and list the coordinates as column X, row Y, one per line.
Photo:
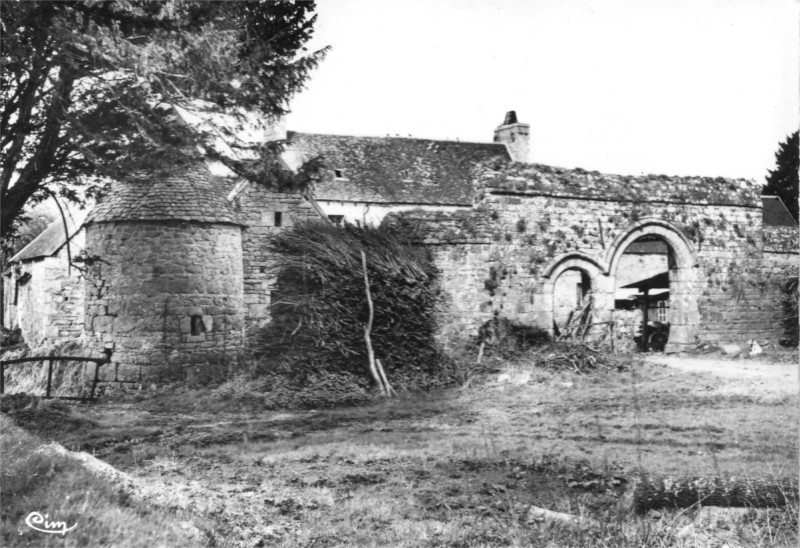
column 42, row 523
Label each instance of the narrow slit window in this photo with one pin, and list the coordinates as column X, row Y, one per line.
column 279, row 218
column 198, row 327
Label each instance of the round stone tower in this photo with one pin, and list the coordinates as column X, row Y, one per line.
column 164, row 283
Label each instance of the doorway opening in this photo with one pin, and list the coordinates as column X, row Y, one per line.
column 572, row 301
column 642, row 295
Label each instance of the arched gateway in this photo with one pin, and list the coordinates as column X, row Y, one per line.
column 683, row 315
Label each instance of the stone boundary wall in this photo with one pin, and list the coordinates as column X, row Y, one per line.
column 501, row 258
column 782, row 239
column 166, row 296
column 542, row 180
column 778, row 270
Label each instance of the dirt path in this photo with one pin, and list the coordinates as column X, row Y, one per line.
column 739, row 376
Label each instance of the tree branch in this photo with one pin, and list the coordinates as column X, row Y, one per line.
column 27, row 104
column 39, row 166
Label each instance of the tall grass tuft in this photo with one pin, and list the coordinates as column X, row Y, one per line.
column 319, row 307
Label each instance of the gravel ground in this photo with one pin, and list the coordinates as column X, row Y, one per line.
column 747, row 376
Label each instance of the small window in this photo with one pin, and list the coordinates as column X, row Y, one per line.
column 338, row 220
column 279, row 218
column 338, row 173
column 661, row 309
column 198, row 327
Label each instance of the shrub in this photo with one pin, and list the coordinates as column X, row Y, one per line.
column 791, row 301
column 10, row 338
column 319, row 308
column 508, row 338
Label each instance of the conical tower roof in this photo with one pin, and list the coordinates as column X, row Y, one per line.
column 185, row 193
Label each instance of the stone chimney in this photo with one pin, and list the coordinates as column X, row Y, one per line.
column 515, row 136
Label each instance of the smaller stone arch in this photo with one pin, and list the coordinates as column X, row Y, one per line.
column 684, row 315
column 575, row 259
column 586, row 264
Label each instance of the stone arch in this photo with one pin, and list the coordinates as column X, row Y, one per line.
column 681, row 246
column 587, row 265
column 684, row 315
column 575, row 259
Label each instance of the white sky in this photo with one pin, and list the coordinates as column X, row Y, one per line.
column 704, row 87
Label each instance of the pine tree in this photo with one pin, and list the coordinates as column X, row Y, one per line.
column 93, row 88
column 783, row 180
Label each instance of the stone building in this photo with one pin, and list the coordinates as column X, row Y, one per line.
column 43, row 295
column 177, row 272
column 370, row 177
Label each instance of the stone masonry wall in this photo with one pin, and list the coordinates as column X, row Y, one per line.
column 166, row 296
column 781, row 263
column 777, row 270
column 496, row 259
column 781, row 239
column 256, row 208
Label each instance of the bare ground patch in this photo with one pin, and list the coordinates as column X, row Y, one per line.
column 756, row 377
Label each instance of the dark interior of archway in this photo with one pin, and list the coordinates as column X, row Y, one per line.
column 642, row 292
column 569, row 294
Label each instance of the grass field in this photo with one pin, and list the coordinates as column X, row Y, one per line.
column 59, row 489
column 460, row 467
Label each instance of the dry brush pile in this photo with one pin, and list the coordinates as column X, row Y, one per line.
column 328, row 314
column 501, row 340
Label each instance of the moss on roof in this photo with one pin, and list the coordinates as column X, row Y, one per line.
column 396, row 169
column 186, row 193
column 579, row 183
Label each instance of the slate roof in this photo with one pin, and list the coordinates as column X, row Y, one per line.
column 396, row 169
column 543, row 180
column 188, row 193
column 51, row 239
column 775, row 213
